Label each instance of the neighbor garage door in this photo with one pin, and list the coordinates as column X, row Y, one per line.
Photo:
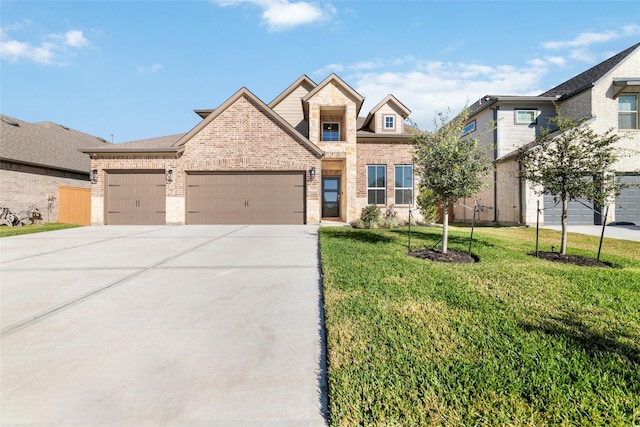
column 577, row 213
column 135, row 197
column 628, row 203
column 246, row 198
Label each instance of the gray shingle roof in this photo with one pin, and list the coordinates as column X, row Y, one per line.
column 45, row 144
column 586, row 79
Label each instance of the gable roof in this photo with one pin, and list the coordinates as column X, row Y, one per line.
column 46, row 144
column 333, row 78
column 244, row 92
column 587, row 78
column 388, row 99
column 302, row 80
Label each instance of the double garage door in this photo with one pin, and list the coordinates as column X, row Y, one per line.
column 245, row 198
column 139, row 197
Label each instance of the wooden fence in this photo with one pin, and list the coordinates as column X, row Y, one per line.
column 75, row 205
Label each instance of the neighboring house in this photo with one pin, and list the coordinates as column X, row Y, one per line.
column 606, row 96
column 41, row 167
column 303, row 158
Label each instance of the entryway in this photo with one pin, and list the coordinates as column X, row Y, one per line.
column 331, row 197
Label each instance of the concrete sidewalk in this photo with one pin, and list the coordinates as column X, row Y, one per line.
column 622, row 232
column 159, row 325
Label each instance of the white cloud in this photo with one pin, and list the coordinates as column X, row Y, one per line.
column 427, row 87
column 150, row 69
column 280, row 15
column 75, row 38
column 578, row 46
column 50, row 52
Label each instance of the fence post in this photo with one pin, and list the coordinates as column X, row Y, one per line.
column 537, row 224
column 604, row 224
column 409, row 234
column 473, row 224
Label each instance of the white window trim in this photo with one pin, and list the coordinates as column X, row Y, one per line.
column 527, row 122
column 384, row 121
column 384, row 188
column 322, row 131
column 404, row 188
column 630, row 112
column 470, row 124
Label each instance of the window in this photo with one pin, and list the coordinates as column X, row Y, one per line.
column 469, row 128
column 404, row 184
column 331, row 131
column 389, row 122
column 628, row 112
column 525, row 117
column 376, row 184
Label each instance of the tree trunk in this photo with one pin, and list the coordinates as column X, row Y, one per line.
column 563, row 243
column 445, row 226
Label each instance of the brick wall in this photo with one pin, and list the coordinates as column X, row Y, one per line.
column 242, row 138
column 22, row 186
column 388, row 154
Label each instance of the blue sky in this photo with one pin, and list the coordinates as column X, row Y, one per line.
column 138, row 69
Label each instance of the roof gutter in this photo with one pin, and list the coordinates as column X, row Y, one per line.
column 163, row 150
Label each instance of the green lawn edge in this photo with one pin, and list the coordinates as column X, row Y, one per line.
column 510, row 340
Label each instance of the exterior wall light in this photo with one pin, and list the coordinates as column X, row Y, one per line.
column 93, row 176
column 169, row 175
column 312, row 172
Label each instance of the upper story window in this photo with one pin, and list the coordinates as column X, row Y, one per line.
column 628, row 112
column 469, row 128
column 525, row 117
column 389, row 122
column 331, row 131
column 376, row 184
column 404, row 184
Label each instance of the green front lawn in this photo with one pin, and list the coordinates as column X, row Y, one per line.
column 511, row 340
column 33, row 228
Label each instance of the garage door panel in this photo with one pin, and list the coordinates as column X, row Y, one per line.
column 627, row 207
column 577, row 212
column 135, row 198
column 246, row 198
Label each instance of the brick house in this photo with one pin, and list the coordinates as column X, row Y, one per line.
column 41, row 166
column 305, row 157
column 606, row 95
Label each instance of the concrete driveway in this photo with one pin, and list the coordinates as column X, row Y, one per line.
column 160, row 325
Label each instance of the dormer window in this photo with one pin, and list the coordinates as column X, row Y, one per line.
column 331, row 131
column 389, row 123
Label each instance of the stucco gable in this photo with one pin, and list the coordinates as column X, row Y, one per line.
column 263, row 108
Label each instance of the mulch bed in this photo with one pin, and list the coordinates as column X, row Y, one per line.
column 571, row 259
column 450, row 256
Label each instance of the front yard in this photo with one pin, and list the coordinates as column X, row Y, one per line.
column 511, row 340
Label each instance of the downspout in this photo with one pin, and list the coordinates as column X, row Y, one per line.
column 495, row 170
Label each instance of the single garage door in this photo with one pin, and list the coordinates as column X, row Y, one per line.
column 135, row 198
column 577, row 213
column 246, row 198
column 628, row 203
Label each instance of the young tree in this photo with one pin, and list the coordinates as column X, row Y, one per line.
column 451, row 166
column 570, row 161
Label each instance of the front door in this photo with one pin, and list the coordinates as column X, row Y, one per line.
column 330, row 197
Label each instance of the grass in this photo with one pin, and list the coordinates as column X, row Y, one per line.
column 33, row 228
column 511, row 340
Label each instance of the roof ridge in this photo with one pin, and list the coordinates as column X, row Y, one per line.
column 590, row 76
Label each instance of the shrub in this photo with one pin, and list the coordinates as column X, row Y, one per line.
column 427, row 203
column 370, row 216
column 390, row 218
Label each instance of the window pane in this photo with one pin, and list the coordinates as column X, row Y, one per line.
column 525, row 116
column 399, row 176
column 371, row 176
column 388, row 122
column 627, row 103
column 408, row 177
column 404, row 197
column 627, row 121
column 330, row 132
